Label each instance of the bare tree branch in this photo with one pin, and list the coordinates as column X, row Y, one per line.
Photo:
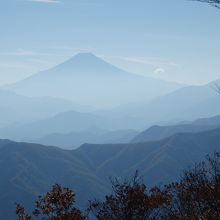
column 217, row 87
column 215, row 3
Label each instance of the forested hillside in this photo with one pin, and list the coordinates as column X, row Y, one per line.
column 29, row 170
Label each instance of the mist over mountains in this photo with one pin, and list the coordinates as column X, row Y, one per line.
column 38, row 114
column 20, row 109
column 92, row 82
column 89, row 80
column 113, row 123
column 65, row 122
column 188, row 103
column 93, row 136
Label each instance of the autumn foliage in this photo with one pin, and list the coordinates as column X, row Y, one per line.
column 54, row 205
column 196, row 196
column 130, row 200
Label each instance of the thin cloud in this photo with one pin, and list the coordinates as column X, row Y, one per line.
column 40, row 61
column 74, row 49
column 152, row 61
column 44, row 1
column 14, row 65
column 23, row 52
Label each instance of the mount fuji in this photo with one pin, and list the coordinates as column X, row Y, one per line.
column 88, row 79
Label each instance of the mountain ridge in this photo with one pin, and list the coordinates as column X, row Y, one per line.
column 74, row 140
column 157, row 132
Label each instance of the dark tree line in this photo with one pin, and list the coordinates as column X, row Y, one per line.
column 196, row 196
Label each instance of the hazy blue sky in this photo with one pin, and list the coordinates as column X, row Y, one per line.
column 176, row 40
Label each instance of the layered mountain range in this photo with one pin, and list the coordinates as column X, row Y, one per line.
column 159, row 132
column 186, row 103
column 136, row 101
column 28, row 170
column 53, row 108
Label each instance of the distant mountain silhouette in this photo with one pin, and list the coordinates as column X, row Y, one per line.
column 84, row 64
column 75, row 139
column 187, row 103
column 160, row 132
column 90, row 80
column 16, row 108
column 207, row 121
column 99, row 136
column 66, row 122
column 28, row 170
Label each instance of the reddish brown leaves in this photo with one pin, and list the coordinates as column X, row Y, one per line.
column 54, row 205
column 195, row 197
